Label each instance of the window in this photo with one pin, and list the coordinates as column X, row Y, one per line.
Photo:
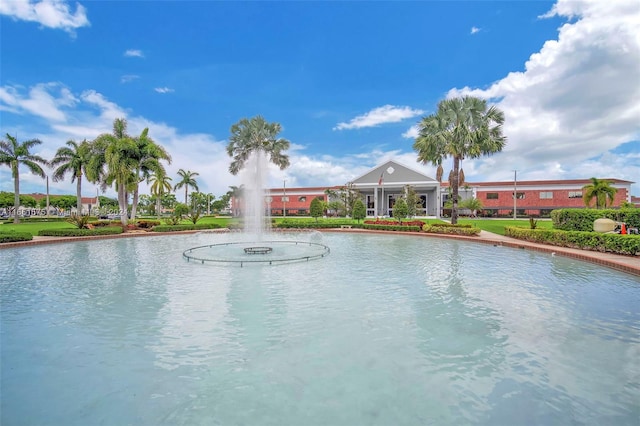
column 519, row 195
column 492, row 195
column 575, row 194
column 302, row 199
column 546, row 195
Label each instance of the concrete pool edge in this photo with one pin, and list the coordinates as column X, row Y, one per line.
column 627, row 264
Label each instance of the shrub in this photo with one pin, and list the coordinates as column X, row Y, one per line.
column 449, row 229
column 582, row 219
column 108, row 230
column 79, row 221
column 417, row 223
column 12, row 237
column 394, row 227
column 148, row 224
column 101, row 223
column 614, row 243
column 188, row 227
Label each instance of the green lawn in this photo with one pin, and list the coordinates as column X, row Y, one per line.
column 491, row 225
column 497, row 225
column 33, row 227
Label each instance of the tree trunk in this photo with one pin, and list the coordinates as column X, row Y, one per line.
column 16, row 192
column 134, row 203
column 79, row 195
column 122, row 202
column 158, row 206
column 454, row 189
column 186, row 189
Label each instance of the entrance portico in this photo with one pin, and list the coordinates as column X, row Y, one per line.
column 383, row 185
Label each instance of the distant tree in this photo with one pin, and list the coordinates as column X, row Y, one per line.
column 624, row 205
column 28, row 201
column 180, row 210
column 160, row 185
column 256, row 134
column 461, row 128
column 400, row 209
column 359, row 211
column 601, row 190
column 74, row 159
column 413, row 200
column 472, row 204
column 66, row 202
column 187, row 179
column 13, row 154
column 316, row 209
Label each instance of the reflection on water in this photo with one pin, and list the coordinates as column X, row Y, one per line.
column 386, row 330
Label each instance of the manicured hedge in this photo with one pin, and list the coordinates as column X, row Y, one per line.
column 188, row 227
column 108, row 230
column 450, row 225
column 304, row 224
column 395, row 227
column 582, row 219
column 595, row 241
column 449, row 229
column 12, row 237
column 417, row 223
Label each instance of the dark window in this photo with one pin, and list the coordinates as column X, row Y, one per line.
column 492, row 195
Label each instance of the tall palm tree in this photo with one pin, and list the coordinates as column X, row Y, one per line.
column 461, row 128
column 187, row 180
column 148, row 156
column 601, row 190
column 72, row 158
column 13, row 154
column 256, row 134
column 160, row 185
column 114, row 162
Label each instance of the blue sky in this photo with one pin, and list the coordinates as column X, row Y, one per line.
column 348, row 81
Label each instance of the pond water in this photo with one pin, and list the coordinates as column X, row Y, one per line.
column 384, row 330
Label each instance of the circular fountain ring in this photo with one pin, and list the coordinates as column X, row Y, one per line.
column 244, row 253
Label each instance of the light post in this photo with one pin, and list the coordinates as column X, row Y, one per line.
column 47, row 196
column 515, row 193
column 284, row 198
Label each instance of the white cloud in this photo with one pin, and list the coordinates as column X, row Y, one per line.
column 46, row 100
column 577, row 97
column 134, row 53
column 48, row 13
column 163, row 90
column 128, row 78
column 475, row 30
column 380, row 115
column 411, row 133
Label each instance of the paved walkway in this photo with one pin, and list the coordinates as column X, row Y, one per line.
column 628, row 264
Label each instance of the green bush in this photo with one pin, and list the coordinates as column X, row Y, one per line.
column 448, row 229
column 101, row 223
column 12, row 237
column 311, row 223
column 148, row 224
column 595, row 241
column 582, row 219
column 450, row 225
column 188, row 227
column 395, row 227
column 109, row 230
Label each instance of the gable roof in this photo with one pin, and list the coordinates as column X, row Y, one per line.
column 392, row 172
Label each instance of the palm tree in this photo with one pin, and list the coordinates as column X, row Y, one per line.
column 160, row 185
column 461, row 128
column 72, row 158
column 114, row 162
column 248, row 136
column 187, row 180
column 13, row 154
column 148, row 158
column 601, row 190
